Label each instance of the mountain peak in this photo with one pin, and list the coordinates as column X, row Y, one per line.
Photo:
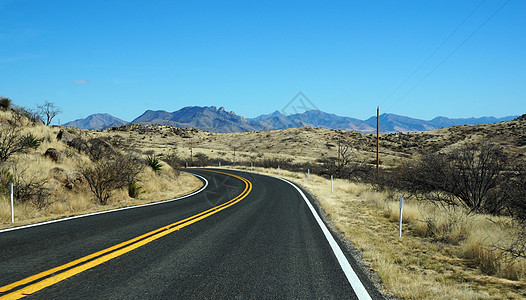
column 97, row 121
column 212, row 119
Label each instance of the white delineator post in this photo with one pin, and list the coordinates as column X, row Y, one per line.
column 12, row 203
column 220, row 164
column 308, row 174
column 331, row 184
column 401, row 208
column 279, row 171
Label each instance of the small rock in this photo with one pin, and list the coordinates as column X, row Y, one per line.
column 54, row 154
column 59, row 174
column 65, row 136
column 78, row 144
column 76, row 179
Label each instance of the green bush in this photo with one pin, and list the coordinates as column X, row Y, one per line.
column 133, row 189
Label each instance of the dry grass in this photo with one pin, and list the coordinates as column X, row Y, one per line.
column 442, row 255
column 70, row 203
column 77, row 198
column 420, row 265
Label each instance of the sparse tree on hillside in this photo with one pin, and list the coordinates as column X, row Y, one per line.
column 48, row 111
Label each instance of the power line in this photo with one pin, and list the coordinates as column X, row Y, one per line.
column 434, row 52
column 450, row 54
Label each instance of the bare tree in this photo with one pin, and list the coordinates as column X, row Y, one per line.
column 10, row 140
column 106, row 175
column 48, row 111
column 29, row 188
column 514, row 190
column 469, row 176
column 343, row 160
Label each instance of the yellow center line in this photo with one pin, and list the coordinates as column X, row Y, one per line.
column 123, row 248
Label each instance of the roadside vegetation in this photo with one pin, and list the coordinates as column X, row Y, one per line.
column 464, row 189
column 444, row 252
column 59, row 172
column 464, row 216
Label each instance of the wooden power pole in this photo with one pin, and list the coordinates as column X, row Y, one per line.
column 377, row 140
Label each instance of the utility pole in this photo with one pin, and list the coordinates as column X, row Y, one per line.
column 377, row 140
column 339, row 166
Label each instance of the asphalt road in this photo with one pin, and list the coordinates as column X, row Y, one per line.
column 244, row 237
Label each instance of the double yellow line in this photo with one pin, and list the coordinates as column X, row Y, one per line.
column 42, row 280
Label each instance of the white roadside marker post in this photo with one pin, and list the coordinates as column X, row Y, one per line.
column 187, row 165
column 12, row 203
column 308, row 174
column 279, row 171
column 331, row 184
column 401, row 208
column 220, row 164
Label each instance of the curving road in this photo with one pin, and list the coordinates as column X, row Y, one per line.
column 244, row 236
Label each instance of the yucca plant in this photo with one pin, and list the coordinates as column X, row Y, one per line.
column 29, row 141
column 154, row 163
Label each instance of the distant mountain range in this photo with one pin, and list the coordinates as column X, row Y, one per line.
column 97, row 122
column 212, row 119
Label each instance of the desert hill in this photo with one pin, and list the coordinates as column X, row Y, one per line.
column 312, row 144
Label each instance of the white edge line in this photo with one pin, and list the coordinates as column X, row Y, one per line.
column 354, row 281
column 110, row 211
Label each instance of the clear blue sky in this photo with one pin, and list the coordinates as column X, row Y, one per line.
column 347, row 57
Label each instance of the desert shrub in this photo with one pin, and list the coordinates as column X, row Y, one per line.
column 105, row 175
column 469, row 177
column 28, row 189
column 22, row 112
column 514, row 190
column 29, row 141
column 283, row 163
column 5, row 103
column 10, row 141
column 451, row 226
column 98, row 149
column 201, row 160
column 174, row 162
column 133, row 189
column 153, row 162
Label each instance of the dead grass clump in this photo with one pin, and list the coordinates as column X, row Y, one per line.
column 447, row 224
column 484, row 245
column 495, row 262
column 5, row 210
column 411, row 213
